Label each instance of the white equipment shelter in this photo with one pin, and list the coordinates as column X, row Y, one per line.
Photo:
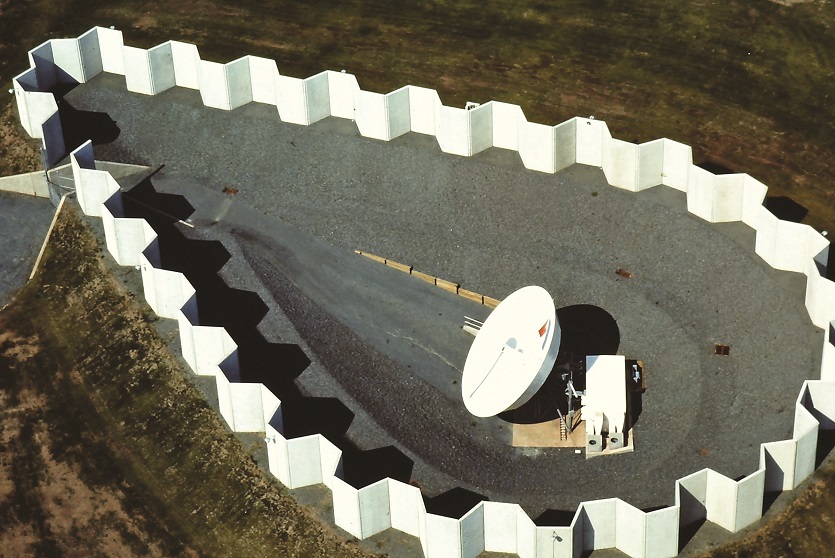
column 604, row 402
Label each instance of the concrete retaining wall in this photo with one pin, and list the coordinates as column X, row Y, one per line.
column 364, row 511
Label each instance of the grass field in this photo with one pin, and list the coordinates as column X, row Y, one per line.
column 749, row 84
column 90, row 465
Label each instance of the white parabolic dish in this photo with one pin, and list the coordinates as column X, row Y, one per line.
column 513, row 353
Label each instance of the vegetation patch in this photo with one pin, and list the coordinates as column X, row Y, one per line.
column 108, row 449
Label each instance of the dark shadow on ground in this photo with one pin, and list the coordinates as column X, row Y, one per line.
column 785, row 208
column 826, row 441
column 687, row 532
column 555, row 518
column 588, row 330
column 454, row 503
column 585, row 330
column 303, row 416
column 714, row 168
column 362, row 468
column 78, row 126
column 769, row 498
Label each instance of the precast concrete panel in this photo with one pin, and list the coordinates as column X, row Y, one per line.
column 678, row 158
column 806, row 433
column 555, row 542
column 749, row 503
column 214, row 90
column 691, row 497
column 375, row 509
column 443, row 537
column 138, row 71
column 112, row 45
column 778, row 459
column 480, row 128
column 828, row 356
column 67, row 57
column 30, row 184
column 398, row 112
column 821, row 402
column 91, row 55
column 405, row 501
column 753, row 196
column 271, row 410
column 789, row 251
column 82, row 158
column 472, row 532
column 131, row 238
column 453, row 131
column 23, row 84
column 247, row 408
column 721, row 500
column 592, row 136
column 536, row 146
column 816, row 251
column 599, row 521
column 42, row 59
column 342, row 88
column 239, row 81
column 171, row 290
column 224, row 399
column 35, row 108
column 525, row 534
column 53, row 140
column 262, row 73
column 93, row 188
column 292, row 104
column 766, row 240
column 500, row 526
column 304, row 461
column 729, row 191
column 700, row 193
column 212, row 345
column 526, row 531
column 662, row 533
column 162, row 67
column 650, row 164
column 186, row 60
column 371, row 115
column 346, row 507
column 318, row 97
column 185, row 324
column 630, row 529
column 620, row 164
column 506, row 121
column 820, row 303
column 565, row 144
column 278, row 455
column 424, row 105
column 331, row 457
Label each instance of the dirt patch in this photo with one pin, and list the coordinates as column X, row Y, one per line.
column 108, row 449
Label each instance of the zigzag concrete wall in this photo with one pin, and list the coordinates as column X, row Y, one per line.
column 365, row 511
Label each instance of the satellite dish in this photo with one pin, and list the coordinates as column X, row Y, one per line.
column 512, row 354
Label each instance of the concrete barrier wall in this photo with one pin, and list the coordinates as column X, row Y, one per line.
column 239, row 82
column 313, row 459
column 342, row 90
column 424, row 106
column 31, row 184
column 262, row 75
column 138, row 70
column 186, row 61
column 214, row 89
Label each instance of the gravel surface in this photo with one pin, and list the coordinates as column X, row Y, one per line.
column 493, row 226
column 24, row 221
